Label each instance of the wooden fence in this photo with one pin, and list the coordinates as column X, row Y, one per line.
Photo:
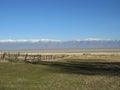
column 14, row 57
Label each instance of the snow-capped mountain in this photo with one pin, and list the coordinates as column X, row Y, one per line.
column 58, row 44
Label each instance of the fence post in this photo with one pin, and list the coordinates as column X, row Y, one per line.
column 51, row 57
column 9, row 57
column 18, row 53
column 26, row 57
column 0, row 57
column 3, row 57
column 39, row 57
column 34, row 57
column 16, row 57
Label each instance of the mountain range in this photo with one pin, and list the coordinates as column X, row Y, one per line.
column 58, row 44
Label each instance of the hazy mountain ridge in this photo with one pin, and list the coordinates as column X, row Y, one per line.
column 57, row 44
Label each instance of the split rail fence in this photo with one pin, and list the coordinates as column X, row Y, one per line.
column 20, row 57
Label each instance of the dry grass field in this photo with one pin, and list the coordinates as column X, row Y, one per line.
column 80, row 70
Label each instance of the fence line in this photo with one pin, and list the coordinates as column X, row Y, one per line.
column 13, row 57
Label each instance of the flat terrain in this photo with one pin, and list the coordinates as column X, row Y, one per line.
column 81, row 70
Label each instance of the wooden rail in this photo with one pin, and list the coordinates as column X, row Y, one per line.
column 14, row 57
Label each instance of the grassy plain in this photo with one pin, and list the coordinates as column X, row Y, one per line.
column 81, row 70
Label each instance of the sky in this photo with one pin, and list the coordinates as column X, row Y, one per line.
column 59, row 19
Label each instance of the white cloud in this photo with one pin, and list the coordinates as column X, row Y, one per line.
column 96, row 39
column 31, row 40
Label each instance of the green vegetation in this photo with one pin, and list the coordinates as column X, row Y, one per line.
column 62, row 75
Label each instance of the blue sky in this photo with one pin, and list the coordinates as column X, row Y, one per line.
column 59, row 19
